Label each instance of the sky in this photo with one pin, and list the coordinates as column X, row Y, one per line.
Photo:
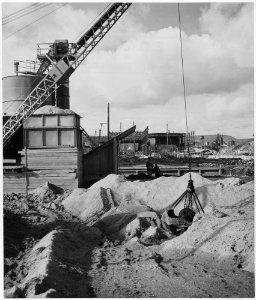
column 137, row 66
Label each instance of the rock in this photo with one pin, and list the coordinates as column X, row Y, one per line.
column 53, row 206
column 14, row 292
column 219, row 214
column 153, row 235
column 133, row 229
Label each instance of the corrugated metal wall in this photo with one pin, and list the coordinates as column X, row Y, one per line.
column 99, row 163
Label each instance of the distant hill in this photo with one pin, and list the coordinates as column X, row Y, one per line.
column 210, row 138
column 226, row 138
column 243, row 141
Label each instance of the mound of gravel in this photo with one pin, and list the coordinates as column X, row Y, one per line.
column 53, row 110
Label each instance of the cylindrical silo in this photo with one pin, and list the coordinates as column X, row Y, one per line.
column 16, row 89
column 63, row 95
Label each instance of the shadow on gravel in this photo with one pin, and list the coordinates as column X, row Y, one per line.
column 72, row 249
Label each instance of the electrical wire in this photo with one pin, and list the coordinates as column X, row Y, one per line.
column 14, row 18
column 36, row 20
column 184, row 91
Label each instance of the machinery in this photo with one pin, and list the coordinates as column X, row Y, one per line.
column 57, row 63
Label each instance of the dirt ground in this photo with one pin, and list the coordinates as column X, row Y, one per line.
column 51, row 252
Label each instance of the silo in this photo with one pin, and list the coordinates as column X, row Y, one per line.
column 63, row 95
column 16, row 89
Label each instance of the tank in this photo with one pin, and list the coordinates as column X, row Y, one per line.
column 16, row 89
column 63, row 96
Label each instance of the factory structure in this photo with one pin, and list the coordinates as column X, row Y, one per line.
column 43, row 139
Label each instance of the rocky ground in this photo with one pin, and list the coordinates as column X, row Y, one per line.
column 108, row 241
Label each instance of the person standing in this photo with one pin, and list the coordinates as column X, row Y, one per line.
column 157, row 171
column 150, row 166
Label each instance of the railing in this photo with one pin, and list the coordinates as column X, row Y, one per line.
column 27, row 66
column 45, row 48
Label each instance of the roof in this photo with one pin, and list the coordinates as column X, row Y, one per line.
column 117, row 138
column 137, row 136
column 152, row 135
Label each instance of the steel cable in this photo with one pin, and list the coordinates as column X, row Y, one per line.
column 184, row 91
column 36, row 20
column 20, row 11
column 14, row 18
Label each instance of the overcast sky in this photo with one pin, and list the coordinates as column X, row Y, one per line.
column 137, row 66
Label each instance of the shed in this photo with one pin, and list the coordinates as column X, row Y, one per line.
column 51, row 127
column 103, row 160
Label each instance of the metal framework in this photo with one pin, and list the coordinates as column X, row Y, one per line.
column 63, row 69
column 93, row 144
column 189, row 197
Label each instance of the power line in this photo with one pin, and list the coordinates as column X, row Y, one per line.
column 14, row 18
column 36, row 20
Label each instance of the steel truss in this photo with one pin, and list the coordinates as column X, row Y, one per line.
column 63, row 69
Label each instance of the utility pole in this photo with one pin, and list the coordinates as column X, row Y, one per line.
column 120, row 127
column 133, row 138
column 108, row 123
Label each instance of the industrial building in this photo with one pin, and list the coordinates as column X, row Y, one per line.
column 42, row 137
column 137, row 141
column 167, row 142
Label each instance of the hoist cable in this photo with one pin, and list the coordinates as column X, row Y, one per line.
column 36, row 20
column 22, row 10
column 184, row 92
column 14, row 18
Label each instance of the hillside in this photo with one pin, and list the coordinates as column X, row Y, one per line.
column 226, row 138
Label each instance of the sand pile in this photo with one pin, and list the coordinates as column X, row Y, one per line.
column 215, row 239
column 126, row 221
column 47, row 192
column 228, row 204
column 53, row 110
column 156, row 194
column 162, row 192
column 57, row 265
column 120, row 248
column 89, row 204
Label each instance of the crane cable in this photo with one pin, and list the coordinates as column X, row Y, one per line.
column 10, row 19
column 22, row 10
column 184, row 92
column 36, row 20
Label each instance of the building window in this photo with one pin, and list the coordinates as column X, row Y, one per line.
column 67, row 137
column 51, row 138
column 35, row 138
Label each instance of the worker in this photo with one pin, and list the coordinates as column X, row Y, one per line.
column 150, row 166
column 157, row 171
